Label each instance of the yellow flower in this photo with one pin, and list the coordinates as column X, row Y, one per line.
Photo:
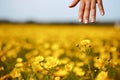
column 31, row 79
column 114, row 62
column 19, row 65
column 19, row 60
column 85, row 42
column 11, row 53
column 39, row 59
column 36, row 67
column 113, row 49
column 1, row 68
column 78, row 71
column 57, row 78
column 99, row 63
column 102, row 76
column 64, row 61
column 15, row 74
column 79, row 64
column 3, row 58
column 61, row 73
column 51, row 62
column 55, row 46
column 84, row 45
column 69, row 67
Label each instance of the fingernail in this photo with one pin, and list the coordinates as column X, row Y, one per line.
column 92, row 20
column 102, row 13
column 80, row 20
column 86, row 21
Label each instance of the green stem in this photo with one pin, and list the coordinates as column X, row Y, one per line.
column 89, row 64
column 34, row 74
column 91, row 73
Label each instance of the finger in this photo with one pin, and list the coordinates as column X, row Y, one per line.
column 93, row 11
column 87, row 12
column 81, row 11
column 74, row 3
column 100, row 5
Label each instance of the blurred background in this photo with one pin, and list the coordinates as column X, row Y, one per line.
column 44, row 11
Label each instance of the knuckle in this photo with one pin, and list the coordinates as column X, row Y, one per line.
column 87, row 8
column 93, row 15
column 99, row 2
column 87, row 17
column 101, row 8
column 93, row 7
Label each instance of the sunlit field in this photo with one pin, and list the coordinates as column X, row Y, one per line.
column 59, row 52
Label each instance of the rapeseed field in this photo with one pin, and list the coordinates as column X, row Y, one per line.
column 59, row 52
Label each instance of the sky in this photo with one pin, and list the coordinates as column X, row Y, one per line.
column 52, row 11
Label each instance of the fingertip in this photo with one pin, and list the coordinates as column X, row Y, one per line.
column 86, row 21
column 102, row 13
column 70, row 6
column 80, row 20
column 74, row 3
column 92, row 20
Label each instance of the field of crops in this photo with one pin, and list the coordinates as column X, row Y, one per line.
column 59, row 52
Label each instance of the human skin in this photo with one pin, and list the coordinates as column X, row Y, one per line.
column 87, row 9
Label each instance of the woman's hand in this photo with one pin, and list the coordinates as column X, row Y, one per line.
column 87, row 9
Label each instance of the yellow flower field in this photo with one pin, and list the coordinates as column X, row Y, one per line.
column 59, row 52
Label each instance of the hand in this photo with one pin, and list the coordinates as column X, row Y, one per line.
column 87, row 7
